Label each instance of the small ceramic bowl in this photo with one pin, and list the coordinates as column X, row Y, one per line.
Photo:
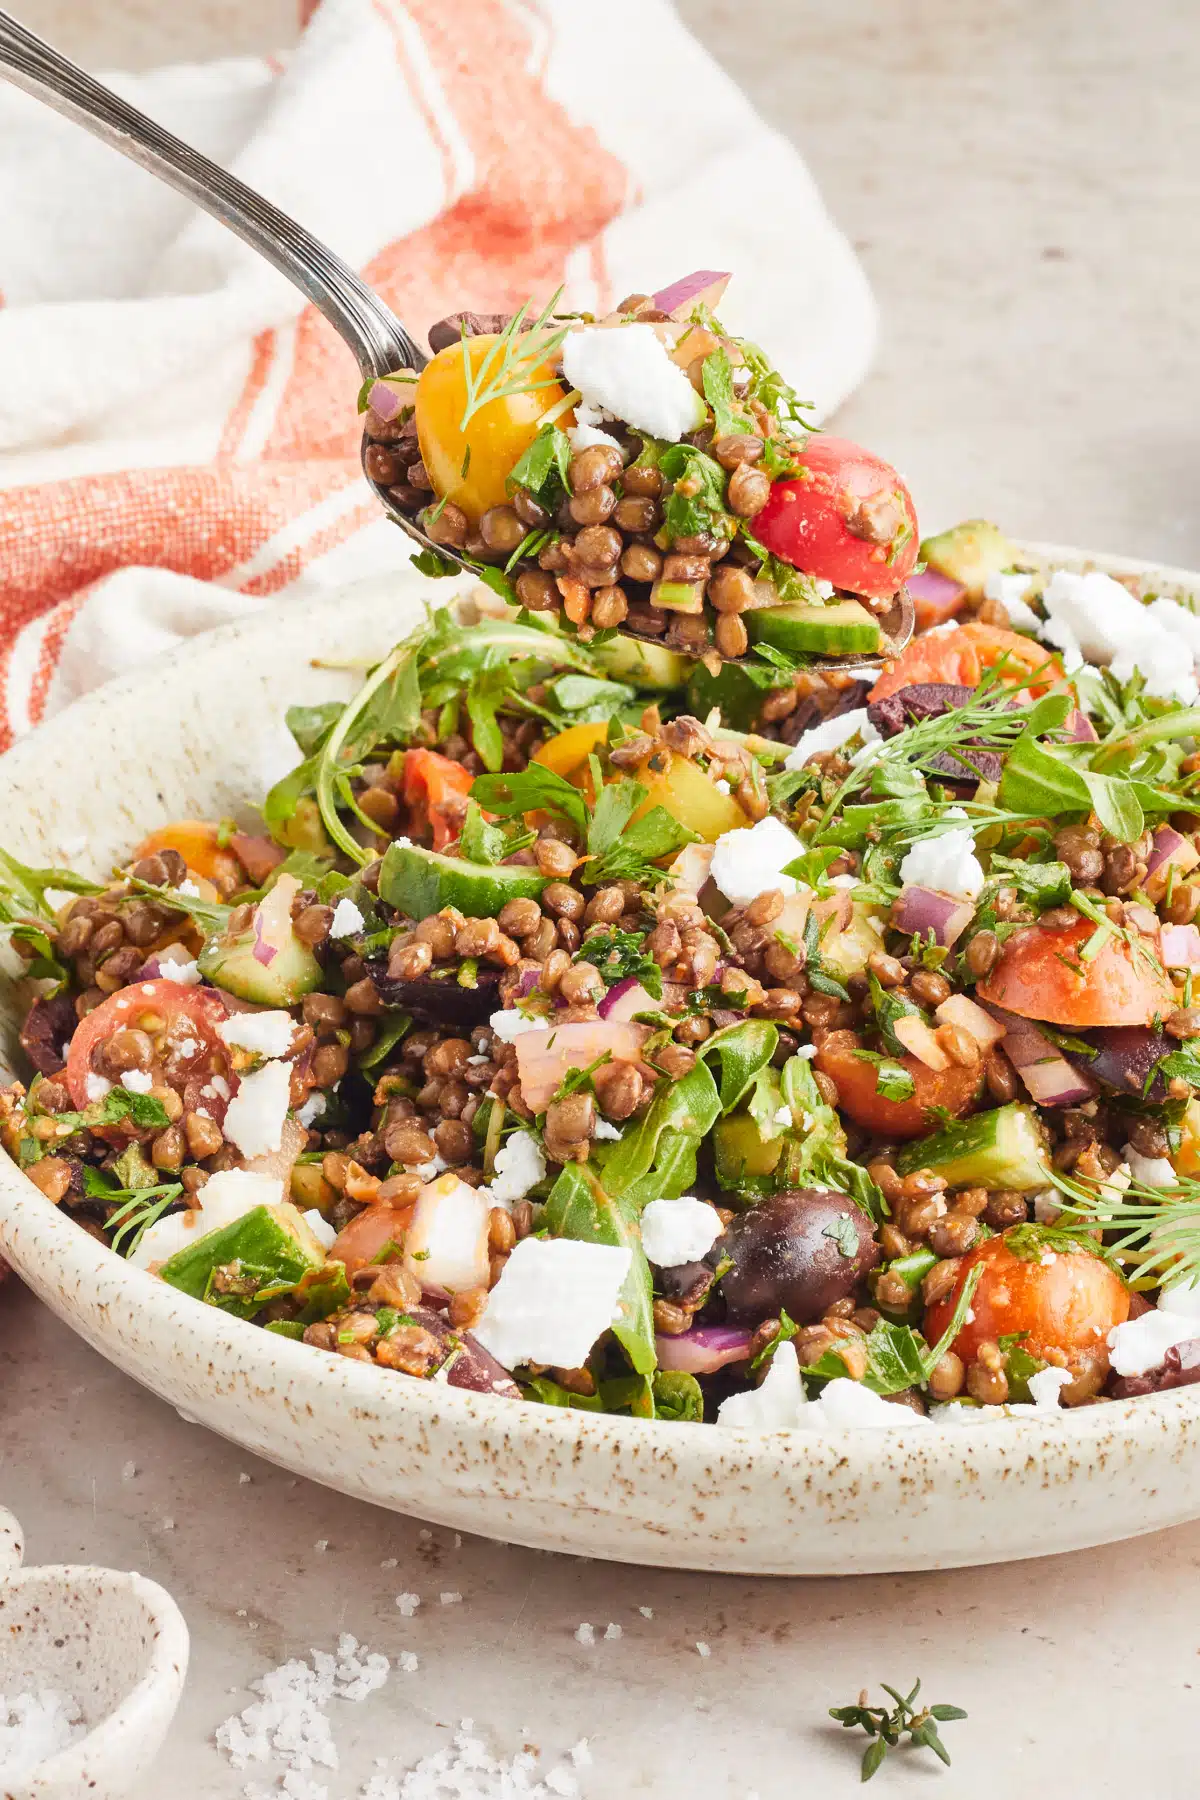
column 12, row 1543
column 117, row 1645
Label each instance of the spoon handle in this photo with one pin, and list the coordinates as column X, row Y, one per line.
column 375, row 336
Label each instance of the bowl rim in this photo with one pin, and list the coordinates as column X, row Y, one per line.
column 161, row 1683
column 278, row 1361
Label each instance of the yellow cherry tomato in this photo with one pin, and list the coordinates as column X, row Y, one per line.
column 691, row 797
column 496, row 435
column 567, row 753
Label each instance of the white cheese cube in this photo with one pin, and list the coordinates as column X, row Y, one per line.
column 254, row 1118
column 553, row 1300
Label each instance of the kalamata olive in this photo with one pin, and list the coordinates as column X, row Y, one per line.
column 438, row 1002
column 48, row 1029
column 1125, row 1055
column 477, row 1370
column 801, row 1250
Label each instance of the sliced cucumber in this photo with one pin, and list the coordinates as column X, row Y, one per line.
column 969, row 553
column 643, row 663
column 741, row 1155
column 842, row 628
column 230, row 963
column 240, row 1267
column 419, row 882
column 1001, row 1149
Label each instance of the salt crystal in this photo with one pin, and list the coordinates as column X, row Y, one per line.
column 168, row 1525
column 390, row 1562
column 585, row 1634
column 289, row 1722
column 128, row 1471
column 580, row 1755
column 647, row 1612
column 243, row 1478
column 704, row 1649
column 450, row 1599
column 321, row 1545
column 408, row 1662
column 408, row 1603
column 613, row 1631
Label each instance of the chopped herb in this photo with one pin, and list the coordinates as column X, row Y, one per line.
column 885, row 1729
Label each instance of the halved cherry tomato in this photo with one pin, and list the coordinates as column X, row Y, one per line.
column 257, row 855
column 846, row 518
column 198, row 842
column 1040, row 975
column 955, row 1088
column 567, row 752
column 370, row 1232
column 1066, row 1300
column 470, row 468
column 181, row 1023
column 962, row 655
column 434, row 789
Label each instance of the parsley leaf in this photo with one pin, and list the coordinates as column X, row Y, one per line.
column 544, row 467
column 533, row 789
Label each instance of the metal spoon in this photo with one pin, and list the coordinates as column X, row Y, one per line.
column 371, row 331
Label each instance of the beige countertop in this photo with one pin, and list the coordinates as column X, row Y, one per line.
column 1019, row 178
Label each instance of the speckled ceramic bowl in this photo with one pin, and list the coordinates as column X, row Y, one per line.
column 113, row 1643
column 200, row 733
column 12, row 1543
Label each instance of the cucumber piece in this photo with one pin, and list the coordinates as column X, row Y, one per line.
column 419, row 882
column 678, row 596
column 230, row 963
column 842, row 628
column 288, row 1328
column 969, row 553
column 643, row 663
column 741, row 1156
column 239, row 1267
column 1001, row 1149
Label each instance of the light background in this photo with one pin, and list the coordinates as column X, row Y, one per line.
column 1019, row 176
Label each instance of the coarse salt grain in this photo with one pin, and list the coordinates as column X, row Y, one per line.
column 128, row 1471
column 647, row 1612
column 612, row 1630
column 390, row 1562
column 321, row 1545
column 465, row 1770
column 704, row 1649
column 585, row 1634
column 450, row 1599
column 243, row 1478
column 408, row 1662
column 408, row 1604
column 289, row 1721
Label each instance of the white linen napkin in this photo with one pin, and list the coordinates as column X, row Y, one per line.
column 178, row 435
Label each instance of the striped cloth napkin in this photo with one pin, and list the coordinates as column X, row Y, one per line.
column 178, row 436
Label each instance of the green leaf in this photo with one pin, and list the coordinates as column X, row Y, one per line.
column 391, row 1032
column 433, row 564
column 1046, row 884
column 618, row 955
column 692, row 514
column 1036, row 782
column 742, row 1050
column 1116, row 805
column 311, row 725
column 586, row 699
column 844, row 1235
column 818, row 1157
column 656, row 1159
column 873, row 1756
column 1019, row 1364
column 544, row 467
column 717, row 377
column 579, row 1207
column 945, row 1713
column 616, row 804
column 677, row 1396
column 534, row 789
column 24, row 890
column 386, row 709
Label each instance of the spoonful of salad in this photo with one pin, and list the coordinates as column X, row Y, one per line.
column 648, row 473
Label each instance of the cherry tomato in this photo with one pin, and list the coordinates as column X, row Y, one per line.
column 1065, row 1300
column 257, row 855
column 368, row 1233
column 955, row 1088
column 181, row 1023
column 847, row 518
column 962, row 656
column 434, row 790
column 1040, row 975
column 470, row 467
column 198, row 842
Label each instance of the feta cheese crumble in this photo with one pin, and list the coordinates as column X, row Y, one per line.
column 779, row 1403
column 520, row 1165
column 96, row 1086
column 320, row 1227
column 185, row 973
column 347, row 919
column 582, row 437
column 1045, row 1388
column 510, row 1024
column 1010, row 591
column 552, row 1301
column 680, row 1231
column 1109, row 626
column 225, row 1196
column 254, row 1118
column 626, row 371
column 751, row 860
column 137, row 1081
column 262, row 1033
column 831, row 734
column 1140, row 1345
column 1152, row 1171
column 947, row 863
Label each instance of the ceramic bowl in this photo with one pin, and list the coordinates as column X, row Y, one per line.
column 12, row 1543
column 117, row 1645
column 200, row 733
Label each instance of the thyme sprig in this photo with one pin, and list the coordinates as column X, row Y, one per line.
column 886, row 1728
column 509, row 365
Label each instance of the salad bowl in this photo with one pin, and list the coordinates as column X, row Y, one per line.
column 200, row 732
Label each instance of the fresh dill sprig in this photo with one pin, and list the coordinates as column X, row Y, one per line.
column 1157, row 1229
column 509, row 365
column 885, row 1729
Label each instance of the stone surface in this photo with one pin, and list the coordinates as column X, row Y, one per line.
column 1019, row 178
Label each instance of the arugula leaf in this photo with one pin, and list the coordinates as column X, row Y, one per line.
column 386, row 709
column 579, row 1207
column 1046, row 884
column 811, row 866
column 1036, row 782
column 818, row 1156
column 743, row 1051
column 793, row 587
column 534, row 789
column 544, row 467
column 677, row 1396
column 898, row 1357
column 311, row 725
column 43, row 964
column 23, row 890
column 482, row 842
column 844, row 1235
column 587, row 699
column 390, row 1033
column 211, row 915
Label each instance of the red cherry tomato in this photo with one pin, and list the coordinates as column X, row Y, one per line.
column 955, row 1088
column 182, row 1025
column 1066, row 1300
column 848, row 518
column 1041, row 975
column 962, row 656
column 435, row 790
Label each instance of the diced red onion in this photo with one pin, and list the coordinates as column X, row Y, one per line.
column 529, row 981
column 625, row 999
column 477, row 1370
column 1181, row 947
column 920, row 910
column 1143, row 919
column 682, row 295
column 920, row 1042
column 149, row 971
column 384, row 400
column 935, row 587
column 704, row 1349
column 1078, row 726
column 263, row 952
column 1048, row 1076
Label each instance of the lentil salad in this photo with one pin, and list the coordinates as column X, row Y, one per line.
column 647, row 472
column 592, row 1090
